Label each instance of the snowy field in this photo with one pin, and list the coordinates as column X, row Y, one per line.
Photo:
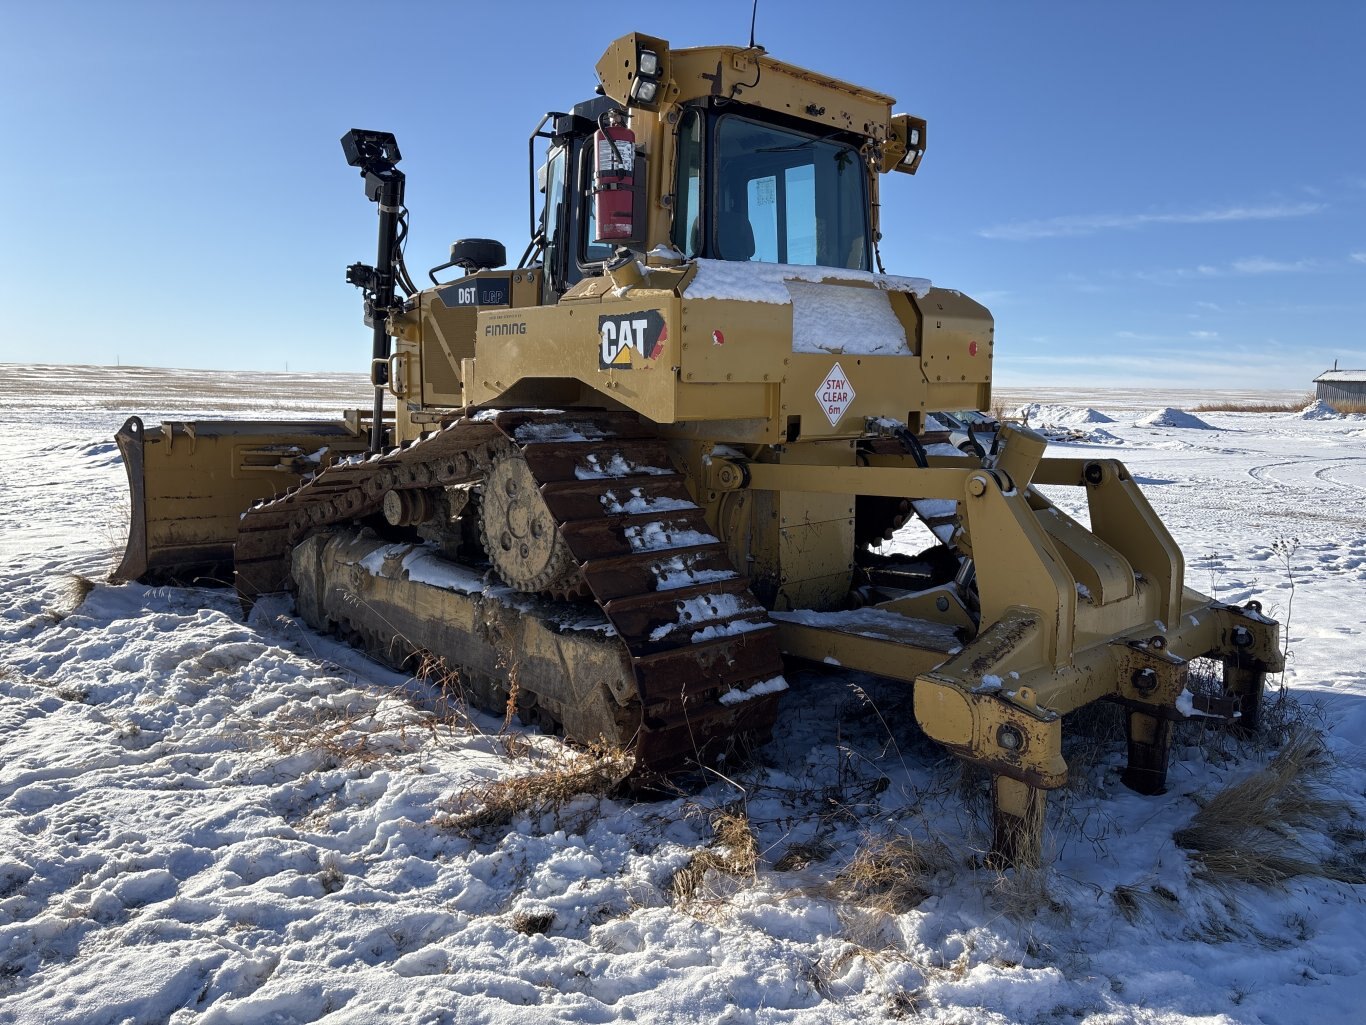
column 206, row 820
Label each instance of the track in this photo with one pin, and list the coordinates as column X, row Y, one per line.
column 702, row 650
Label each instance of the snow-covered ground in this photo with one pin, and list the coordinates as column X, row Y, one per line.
column 205, row 820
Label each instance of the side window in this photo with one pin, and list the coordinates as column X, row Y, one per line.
column 554, row 196
column 687, row 233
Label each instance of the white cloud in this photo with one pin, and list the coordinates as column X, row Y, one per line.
column 1260, row 265
column 1205, row 336
column 1251, row 265
column 1358, row 257
column 1054, row 227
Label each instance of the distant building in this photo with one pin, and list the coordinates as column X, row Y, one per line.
column 1344, row 390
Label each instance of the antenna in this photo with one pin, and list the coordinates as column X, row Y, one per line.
column 753, row 16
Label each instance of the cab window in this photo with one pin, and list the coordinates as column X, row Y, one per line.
column 784, row 196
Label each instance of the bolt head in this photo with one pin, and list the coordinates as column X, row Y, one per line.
column 1010, row 738
column 1145, row 681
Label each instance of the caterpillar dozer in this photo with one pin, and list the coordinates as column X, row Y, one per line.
column 624, row 479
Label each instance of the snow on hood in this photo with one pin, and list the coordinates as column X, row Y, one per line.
column 826, row 318
column 766, row 282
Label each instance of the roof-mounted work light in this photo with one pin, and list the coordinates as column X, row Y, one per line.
column 645, row 86
column 644, row 90
column 635, row 71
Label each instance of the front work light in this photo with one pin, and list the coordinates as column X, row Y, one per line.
column 649, row 63
column 643, row 91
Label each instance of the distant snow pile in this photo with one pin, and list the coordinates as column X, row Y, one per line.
column 1320, row 410
column 1046, row 414
column 1067, row 423
column 1173, row 417
column 1098, row 436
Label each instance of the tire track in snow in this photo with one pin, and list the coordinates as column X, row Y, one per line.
column 1263, row 473
column 1322, row 474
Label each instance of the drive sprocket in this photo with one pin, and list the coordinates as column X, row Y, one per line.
column 519, row 533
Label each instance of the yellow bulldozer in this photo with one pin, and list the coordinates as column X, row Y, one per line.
column 623, row 480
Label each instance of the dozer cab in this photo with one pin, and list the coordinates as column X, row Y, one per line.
column 624, row 478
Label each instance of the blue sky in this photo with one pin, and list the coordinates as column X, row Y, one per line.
column 1144, row 194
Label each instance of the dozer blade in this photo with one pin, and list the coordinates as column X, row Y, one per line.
column 190, row 482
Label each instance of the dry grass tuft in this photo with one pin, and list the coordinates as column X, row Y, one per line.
column 1091, row 735
column 434, row 669
column 1293, row 406
column 1247, row 831
column 1134, row 901
column 890, row 873
column 533, row 923
column 331, row 877
column 801, row 854
column 733, row 852
column 1024, row 893
column 74, row 692
column 349, row 736
column 595, row 773
column 76, row 590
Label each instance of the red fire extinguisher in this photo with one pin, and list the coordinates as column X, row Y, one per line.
column 614, row 180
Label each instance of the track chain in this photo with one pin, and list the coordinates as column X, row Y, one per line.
column 692, row 629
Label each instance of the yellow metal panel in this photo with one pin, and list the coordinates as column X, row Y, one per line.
column 738, row 73
column 899, row 658
column 956, row 340
column 731, row 340
column 567, row 342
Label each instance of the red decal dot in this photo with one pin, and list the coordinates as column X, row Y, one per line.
column 972, row 348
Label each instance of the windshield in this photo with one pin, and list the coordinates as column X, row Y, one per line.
column 782, row 196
